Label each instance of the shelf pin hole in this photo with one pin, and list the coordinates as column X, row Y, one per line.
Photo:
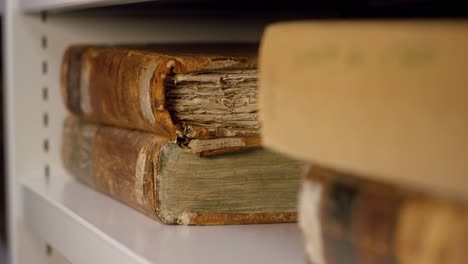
column 45, row 119
column 44, row 42
column 44, row 16
column 49, row 250
column 45, row 94
column 44, row 67
column 46, row 145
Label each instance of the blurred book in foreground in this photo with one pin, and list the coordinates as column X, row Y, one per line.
column 380, row 108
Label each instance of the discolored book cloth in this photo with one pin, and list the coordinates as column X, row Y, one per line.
column 201, row 95
column 385, row 99
column 348, row 219
column 163, row 180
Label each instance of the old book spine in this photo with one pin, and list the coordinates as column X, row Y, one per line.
column 116, row 162
column 124, row 164
column 126, row 88
column 117, row 87
column 350, row 220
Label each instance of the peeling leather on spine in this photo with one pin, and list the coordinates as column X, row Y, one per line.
column 164, row 218
column 140, row 174
column 145, row 99
column 85, row 102
column 309, row 221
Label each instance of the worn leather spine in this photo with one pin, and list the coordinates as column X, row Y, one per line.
column 116, row 162
column 124, row 87
column 362, row 221
column 124, row 164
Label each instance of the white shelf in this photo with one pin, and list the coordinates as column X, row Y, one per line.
column 80, row 225
column 89, row 227
column 61, row 5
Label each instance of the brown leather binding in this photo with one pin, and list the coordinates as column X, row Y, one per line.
column 112, row 78
column 365, row 221
column 110, row 161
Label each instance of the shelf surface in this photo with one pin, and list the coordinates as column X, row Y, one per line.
column 88, row 227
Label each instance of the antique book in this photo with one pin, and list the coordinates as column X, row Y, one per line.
column 165, row 181
column 348, row 219
column 383, row 99
column 202, row 95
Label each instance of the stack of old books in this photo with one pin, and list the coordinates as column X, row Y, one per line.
column 172, row 131
column 380, row 109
